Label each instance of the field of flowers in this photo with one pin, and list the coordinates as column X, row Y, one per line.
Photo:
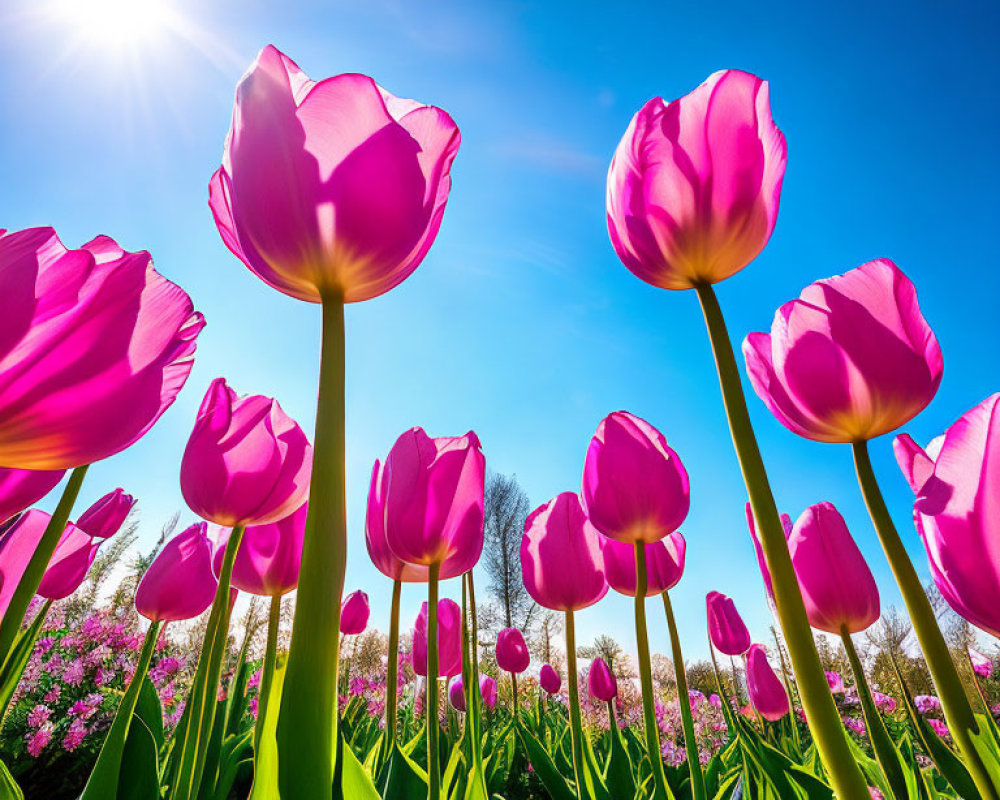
column 130, row 674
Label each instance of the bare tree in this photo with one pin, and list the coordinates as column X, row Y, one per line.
column 546, row 638
column 611, row 651
column 506, row 508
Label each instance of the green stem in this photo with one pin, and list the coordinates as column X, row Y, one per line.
column 828, row 732
column 575, row 725
column 954, row 701
column 205, row 686
column 885, row 750
column 788, row 689
column 267, row 672
column 433, row 726
column 684, row 699
column 736, row 681
column 104, row 776
column 392, row 676
column 307, row 719
column 652, row 730
column 35, row 571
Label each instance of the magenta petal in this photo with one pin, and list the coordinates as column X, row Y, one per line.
column 726, row 628
column 20, row 488
column 766, row 692
column 17, row 545
column 549, row 679
column 449, row 640
column 69, row 564
column 512, row 651
column 664, row 564
column 354, row 613
column 601, row 681
column 180, row 583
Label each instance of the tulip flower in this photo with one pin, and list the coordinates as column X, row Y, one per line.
column 981, row 665
column 70, row 563
column 766, row 692
column 512, row 651
column 96, row 346
column 635, row 488
column 726, row 628
column 664, row 564
column 375, row 539
column 449, row 639
column 105, row 517
column 20, row 488
column 246, row 462
column 17, row 544
column 488, row 690
column 267, row 561
column 601, row 681
column 694, row 186
column 456, row 694
column 549, row 679
column 354, row 613
column 180, row 583
column 851, row 359
column 765, row 573
column 837, row 586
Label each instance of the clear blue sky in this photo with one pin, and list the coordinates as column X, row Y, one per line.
column 521, row 323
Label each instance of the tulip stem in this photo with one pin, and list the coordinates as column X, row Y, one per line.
column 575, row 725
column 885, row 750
column 205, row 685
column 104, row 775
column 307, row 719
column 954, row 701
column 652, row 731
column 392, row 674
column 684, row 700
column 736, row 681
column 433, row 726
column 35, row 571
column 828, row 732
column 267, row 672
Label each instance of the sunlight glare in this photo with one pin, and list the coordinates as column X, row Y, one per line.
column 114, row 22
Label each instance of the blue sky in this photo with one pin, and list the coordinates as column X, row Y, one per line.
column 521, row 323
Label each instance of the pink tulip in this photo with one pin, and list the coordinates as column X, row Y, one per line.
column 105, row 517
column 434, row 500
column 180, row 583
column 838, row 588
column 635, row 488
column 765, row 573
column 664, row 564
column 601, row 681
column 69, row 564
column 512, row 651
column 95, row 347
column 378, row 546
column 835, row 682
column 958, row 516
column 981, row 664
column 246, row 462
column 851, row 359
column 561, row 561
column 456, row 694
column 766, row 692
column 449, row 638
column 549, row 679
column 694, row 186
column 267, row 561
column 354, row 613
column 726, row 628
column 488, row 691
column 916, row 462
column 335, row 187
column 20, row 488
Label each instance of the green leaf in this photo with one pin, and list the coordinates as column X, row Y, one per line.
column 350, row 781
column 139, row 774
column 265, row 775
column 9, row 790
column 149, row 710
column 618, row 770
column 405, row 778
column 546, row 771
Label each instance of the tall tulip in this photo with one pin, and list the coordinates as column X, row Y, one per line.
column 851, row 359
column 726, row 628
column 331, row 192
column 549, row 679
column 766, row 692
column 563, row 570
column 692, row 198
column 20, row 488
column 449, row 640
column 354, row 613
column 513, row 657
column 106, row 516
column 488, row 691
column 601, row 681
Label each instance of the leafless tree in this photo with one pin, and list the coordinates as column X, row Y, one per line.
column 546, row 639
column 506, row 508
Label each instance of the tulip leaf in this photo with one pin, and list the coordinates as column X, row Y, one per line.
column 265, row 776
column 405, row 778
column 546, row 771
column 618, row 770
column 149, row 710
column 9, row 790
column 350, row 780
column 139, row 773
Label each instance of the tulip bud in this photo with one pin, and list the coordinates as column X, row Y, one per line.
column 449, row 638
column 488, row 690
column 354, row 613
column 20, row 488
column 726, row 628
column 105, row 517
column 766, row 692
column 549, row 679
column 601, row 681
column 838, row 588
column 512, row 652
column 635, row 488
column 561, row 561
column 69, row 564
column 246, row 462
column 456, row 694
column 851, row 359
column 664, row 564
column 180, row 583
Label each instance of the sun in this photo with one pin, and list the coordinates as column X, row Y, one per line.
column 115, row 22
